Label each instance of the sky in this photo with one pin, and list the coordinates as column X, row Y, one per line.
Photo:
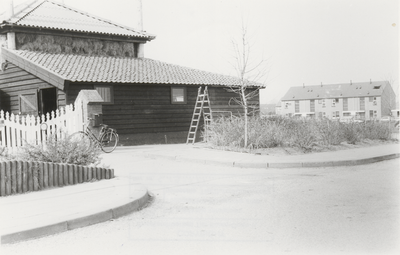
column 299, row 41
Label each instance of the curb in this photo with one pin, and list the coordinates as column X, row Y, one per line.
column 84, row 221
column 281, row 164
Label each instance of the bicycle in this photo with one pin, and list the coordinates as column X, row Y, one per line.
column 107, row 142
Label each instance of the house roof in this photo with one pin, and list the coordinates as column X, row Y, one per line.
column 359, row 89
column 58, row 68
column 53, row 15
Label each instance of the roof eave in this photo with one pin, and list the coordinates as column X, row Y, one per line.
column 52, row 78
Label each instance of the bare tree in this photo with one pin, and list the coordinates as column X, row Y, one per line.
column 252, row 76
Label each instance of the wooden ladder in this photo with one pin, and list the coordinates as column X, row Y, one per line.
column 202, row 106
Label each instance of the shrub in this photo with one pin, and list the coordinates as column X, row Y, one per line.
column 376, row 130
column 329, row 132
column 277, row 131
column 61, row 150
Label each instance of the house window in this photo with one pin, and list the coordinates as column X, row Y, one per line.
column 297, row 106
column 334, row 101
column 323, row 103
column 178, row 95
column 106, row 92
column 312, row 105
column 362, row 103
column 345, row 104
column 28, row 103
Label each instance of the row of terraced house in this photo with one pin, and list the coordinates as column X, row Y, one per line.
column 362, row 100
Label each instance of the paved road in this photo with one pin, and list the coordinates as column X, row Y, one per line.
column 199, row 209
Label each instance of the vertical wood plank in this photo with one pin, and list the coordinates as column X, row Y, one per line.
column 107, row 173
column 30, row 176
column 8, row 178
column 80, row 174
column 13, row 176
column 41, row 175
column 50, row 167
column 112, row 173
column 75, row 169
column 19, row 176
column 89, row 172
column 98, row 173
column 94, row 175
column 103, row 173
column 45, row 175
column 60, row 168
column 55, row 175
column 85, row 174
column 24, row 176
column 71, row 172
column 2, row 178
column 66, row 175
column 35, row 175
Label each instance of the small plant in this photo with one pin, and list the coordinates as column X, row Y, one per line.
column 61, row 150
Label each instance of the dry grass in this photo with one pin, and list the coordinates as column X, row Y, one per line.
column 293, row 135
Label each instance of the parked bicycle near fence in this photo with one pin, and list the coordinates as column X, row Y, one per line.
column 107, row 139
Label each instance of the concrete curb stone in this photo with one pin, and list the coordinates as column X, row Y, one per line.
column 84, row 221
column 244, row 164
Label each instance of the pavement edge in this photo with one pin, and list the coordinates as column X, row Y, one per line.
column 88, row 220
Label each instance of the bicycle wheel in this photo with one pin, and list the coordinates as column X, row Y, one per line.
column 80, row 140
column 108, row 141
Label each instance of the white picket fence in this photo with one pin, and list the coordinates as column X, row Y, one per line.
column 16, row 130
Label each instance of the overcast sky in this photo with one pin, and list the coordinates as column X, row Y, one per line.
column 304, row 41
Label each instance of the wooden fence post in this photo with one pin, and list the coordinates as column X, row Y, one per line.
column 19, row 176
column 8, row 178
column 74, row 168
column 55, row 175
column 80, row 174
column 13, row 176
column 30, row 176
column 24, row 176
column 2, row 178
column 50, row 167
column 45, row 175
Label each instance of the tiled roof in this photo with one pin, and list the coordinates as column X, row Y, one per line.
column 359, row 89
column 53, row 15
column 79, row 68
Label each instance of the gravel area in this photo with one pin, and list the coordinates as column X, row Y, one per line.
column 199, row 209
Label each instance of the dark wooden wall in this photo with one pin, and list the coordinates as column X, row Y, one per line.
column 148, row 108
column 14, row 81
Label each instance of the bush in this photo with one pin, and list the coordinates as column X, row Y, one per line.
column 277, row 131
column 61, row 150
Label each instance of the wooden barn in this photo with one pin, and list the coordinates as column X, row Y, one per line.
column 50, row 52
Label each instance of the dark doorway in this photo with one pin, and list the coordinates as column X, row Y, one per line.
column 48, row 100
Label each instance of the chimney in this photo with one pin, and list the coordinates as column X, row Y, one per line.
column 138, row 25
column 10, row 35
column 10, row 9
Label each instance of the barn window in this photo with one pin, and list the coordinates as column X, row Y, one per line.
column 178, row 95
column 28, row 103
column 106, row 92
